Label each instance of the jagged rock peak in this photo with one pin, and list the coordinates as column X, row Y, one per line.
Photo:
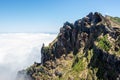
column 73, row 37
column 87, row 49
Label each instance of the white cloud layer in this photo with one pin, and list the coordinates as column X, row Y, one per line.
column 20, row 50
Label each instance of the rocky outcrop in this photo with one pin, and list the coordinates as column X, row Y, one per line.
column 90, row 43
column 74, row 37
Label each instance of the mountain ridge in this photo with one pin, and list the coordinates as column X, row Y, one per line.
column 89, row 49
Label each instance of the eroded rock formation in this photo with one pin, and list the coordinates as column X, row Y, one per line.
column 89, row 49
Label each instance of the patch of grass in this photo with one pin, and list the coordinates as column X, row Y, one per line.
column 116, row 19
column 90, row 54
column 80, row 65
column 104, row 44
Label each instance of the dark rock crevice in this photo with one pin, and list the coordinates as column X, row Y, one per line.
column 106, row 63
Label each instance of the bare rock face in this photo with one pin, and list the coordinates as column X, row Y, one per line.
column 79, row 35
column 88, row 49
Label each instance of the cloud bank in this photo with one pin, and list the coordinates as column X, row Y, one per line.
column 20, row 50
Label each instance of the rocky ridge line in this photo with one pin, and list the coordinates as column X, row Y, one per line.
column 88, row 49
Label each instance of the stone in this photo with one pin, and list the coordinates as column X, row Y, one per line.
column 58, row 73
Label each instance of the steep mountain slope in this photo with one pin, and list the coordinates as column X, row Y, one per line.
column 89, row 49
column 115, row 21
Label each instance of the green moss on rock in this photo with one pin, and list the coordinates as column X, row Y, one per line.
column 104, row 44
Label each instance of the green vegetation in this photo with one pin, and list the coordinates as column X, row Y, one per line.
column 80, row 65
column 90, row 54
column 104, row 44
column 116, row 19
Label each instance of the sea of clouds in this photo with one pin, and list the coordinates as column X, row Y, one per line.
column 20, row 50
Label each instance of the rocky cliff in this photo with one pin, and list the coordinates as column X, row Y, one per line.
column 89, row 49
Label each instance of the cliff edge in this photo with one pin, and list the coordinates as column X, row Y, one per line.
column 89, row 49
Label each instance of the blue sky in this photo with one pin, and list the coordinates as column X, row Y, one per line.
column 49, row 15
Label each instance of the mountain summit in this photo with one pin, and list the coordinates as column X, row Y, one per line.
column 89, row 49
